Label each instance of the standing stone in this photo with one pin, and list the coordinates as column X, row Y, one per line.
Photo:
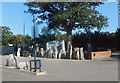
column 55, row 47
column 60, row 54
column 23, row 65
column 46, row 54
column 12, row 60
column 42, row 52
column 70, row 51
column 56, row 52
column 63, row 54
column 63, row 45
column 37, row 51
column 76, row 53
column 18, row 52
column 47, row 46
column 51, row 52
column 81, row 53
column 78, row 57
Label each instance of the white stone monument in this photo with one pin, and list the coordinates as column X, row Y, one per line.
column 42, row 52
column 12, row 60
column 76, row 53
column 82, row 54
column 70, row 51
column 56, row 52
column 50, row 52
column 47, row 46
column 18, row 52
column 23, row 65
column 63, row 45
column 60, row 54
column 55, row 49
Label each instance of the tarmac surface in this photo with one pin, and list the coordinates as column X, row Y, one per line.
column 66, row 70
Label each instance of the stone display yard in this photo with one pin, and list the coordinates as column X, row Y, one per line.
column 66, row 70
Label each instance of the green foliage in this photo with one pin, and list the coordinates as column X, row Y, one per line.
column 19, row 38
column 100, row 41
column 28, row 40
column 12, row 40
column 69, row 16
column 5, row 35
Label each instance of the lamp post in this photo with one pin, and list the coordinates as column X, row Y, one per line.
column 34, row 38
column 34, row 33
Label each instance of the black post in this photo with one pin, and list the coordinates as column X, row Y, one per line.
column 34, row 42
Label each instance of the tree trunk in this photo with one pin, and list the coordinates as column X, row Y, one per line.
column 69, row 33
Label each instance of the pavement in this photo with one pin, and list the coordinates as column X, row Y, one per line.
column 66, row 70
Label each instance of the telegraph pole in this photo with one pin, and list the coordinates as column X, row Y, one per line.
column 34, row 36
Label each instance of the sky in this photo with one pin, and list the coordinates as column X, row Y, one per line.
column 13, row 16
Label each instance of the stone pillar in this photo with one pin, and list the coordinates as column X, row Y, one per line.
column 60, row 54
column 71, row 52
column 12, row 60
column 37, row 51
column 42, row 52
column 47, row 54
column 62, row 51
column 76, row 50
column 56, row 52
column 81, row 53
column 18, row 52
column 51, row 53
column 63, row 45
column 78, row 56
column 47, row 46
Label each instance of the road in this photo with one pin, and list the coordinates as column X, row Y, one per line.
column 66, row 70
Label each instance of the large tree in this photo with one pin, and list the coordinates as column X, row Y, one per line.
column 68, row 16
column 5, row 35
